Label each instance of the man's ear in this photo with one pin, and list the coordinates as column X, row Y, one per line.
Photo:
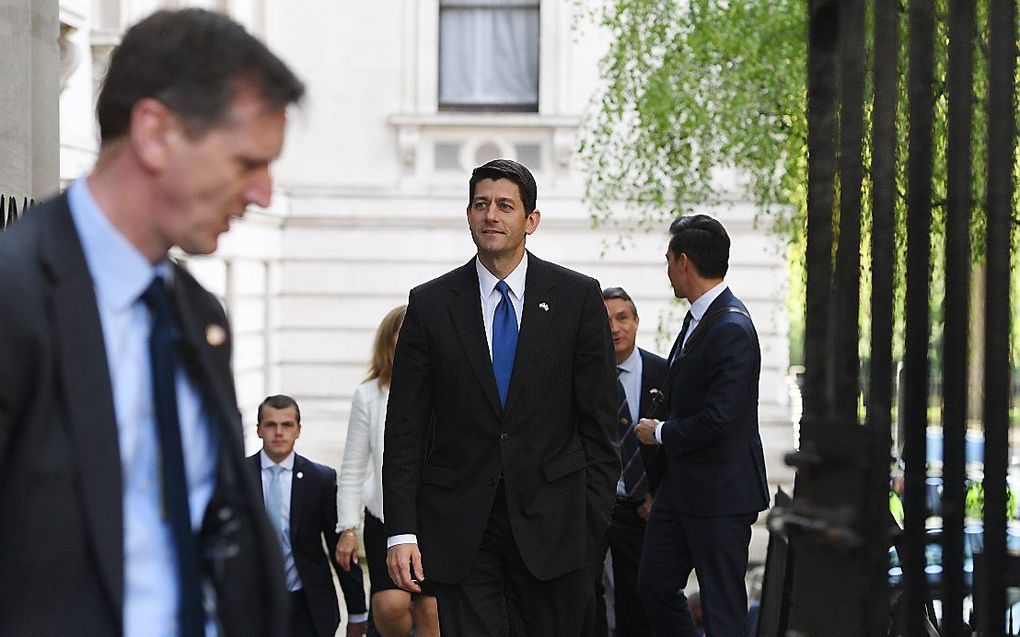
column 533, row 219
column 153, row 128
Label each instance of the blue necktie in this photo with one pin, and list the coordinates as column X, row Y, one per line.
column 164, row 351
column 274, row 498
column 504, row 341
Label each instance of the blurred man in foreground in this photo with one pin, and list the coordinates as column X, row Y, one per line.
column 127, row 508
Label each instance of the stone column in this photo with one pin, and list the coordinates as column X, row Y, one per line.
column 29, row 126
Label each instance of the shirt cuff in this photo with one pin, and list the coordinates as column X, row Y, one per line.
column 407, row 538
column 357, row 618
column 658, row 432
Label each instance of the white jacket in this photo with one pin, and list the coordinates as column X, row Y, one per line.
column 364, row 447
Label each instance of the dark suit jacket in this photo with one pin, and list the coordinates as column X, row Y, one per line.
column 60, row 469
column 312, row 517
column 654, row 369
column 714, row 460
column 448, row 440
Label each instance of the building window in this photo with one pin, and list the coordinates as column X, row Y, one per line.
column 488, row 55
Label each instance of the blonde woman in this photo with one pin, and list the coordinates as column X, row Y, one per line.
column 393, row 612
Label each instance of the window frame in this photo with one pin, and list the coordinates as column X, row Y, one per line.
column 468, row 107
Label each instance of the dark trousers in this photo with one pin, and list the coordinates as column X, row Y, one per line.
column 717, row 549
column 500, row 597
column 626, row 536
column 300, row 622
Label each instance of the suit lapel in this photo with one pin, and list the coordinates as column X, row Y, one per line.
column 87, row 398
column 466, row 313
column 535, row 320
column 206, row 345
column 724, row 299
column 256, row 468
column 297, row 494
column 646, row 386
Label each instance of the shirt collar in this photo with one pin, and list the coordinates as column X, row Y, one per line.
column 630, row 364
column 515, row 280
column 699, row 307
column 267, row 462
column 119, row 271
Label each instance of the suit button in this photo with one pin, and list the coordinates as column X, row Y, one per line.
column 492, row 482
column 504, row 436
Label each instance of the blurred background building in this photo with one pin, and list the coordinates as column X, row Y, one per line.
column 405, row 97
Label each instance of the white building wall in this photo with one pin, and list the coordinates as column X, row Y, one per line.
column 370, row 201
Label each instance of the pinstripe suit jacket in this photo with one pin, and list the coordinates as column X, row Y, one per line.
column 448, row 440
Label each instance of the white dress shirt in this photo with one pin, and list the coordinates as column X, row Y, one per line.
column 120, row 274
column 490, row 298
column 286, row 480
column 630, row 377
column 698, row 309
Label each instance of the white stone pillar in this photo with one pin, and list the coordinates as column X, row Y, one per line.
column 29, row 126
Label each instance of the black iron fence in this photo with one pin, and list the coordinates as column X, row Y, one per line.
column 839, row 526
column 10, row 211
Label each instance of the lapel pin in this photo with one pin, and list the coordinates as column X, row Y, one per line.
column 215, row 335
column 300, row 475
column 544, row 306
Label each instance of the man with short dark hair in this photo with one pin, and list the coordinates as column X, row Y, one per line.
column 714, row 484
column 127, row 506
column 640, row 373
column 300, row 499
column 499, row 467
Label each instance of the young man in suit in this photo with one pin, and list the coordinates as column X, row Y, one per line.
column 714, row 484
column 127, row 507
column 499, row 468
column 639, row 372
column 300, row 499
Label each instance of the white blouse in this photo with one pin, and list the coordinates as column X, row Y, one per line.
column 364, row 446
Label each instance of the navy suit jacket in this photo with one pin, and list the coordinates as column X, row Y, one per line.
column 62, row 499
column 714, row 460
column 312, row 517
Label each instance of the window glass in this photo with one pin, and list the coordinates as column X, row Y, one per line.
column 488, row 54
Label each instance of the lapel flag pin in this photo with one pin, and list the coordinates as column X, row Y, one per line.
column 544, row 306
column 215, row 335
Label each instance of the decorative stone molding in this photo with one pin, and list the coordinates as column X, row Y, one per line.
column 70, row 56
column 437, row 148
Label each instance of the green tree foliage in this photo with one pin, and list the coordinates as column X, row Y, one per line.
column 692, row 86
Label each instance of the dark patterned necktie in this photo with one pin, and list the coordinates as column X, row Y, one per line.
column 635, row 483
column 678, row 346
column 164, row 350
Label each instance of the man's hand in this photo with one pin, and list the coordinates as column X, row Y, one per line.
column 645, row 508
column 403, row 561
column 347, row 549
column 645, row 431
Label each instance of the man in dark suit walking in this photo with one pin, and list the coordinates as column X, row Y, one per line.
column 499, row 468
column 639, row 372
column 300, row 498
column 714, row 484
column 126, row 505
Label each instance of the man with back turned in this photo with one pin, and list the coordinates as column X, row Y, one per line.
column 714, row 484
